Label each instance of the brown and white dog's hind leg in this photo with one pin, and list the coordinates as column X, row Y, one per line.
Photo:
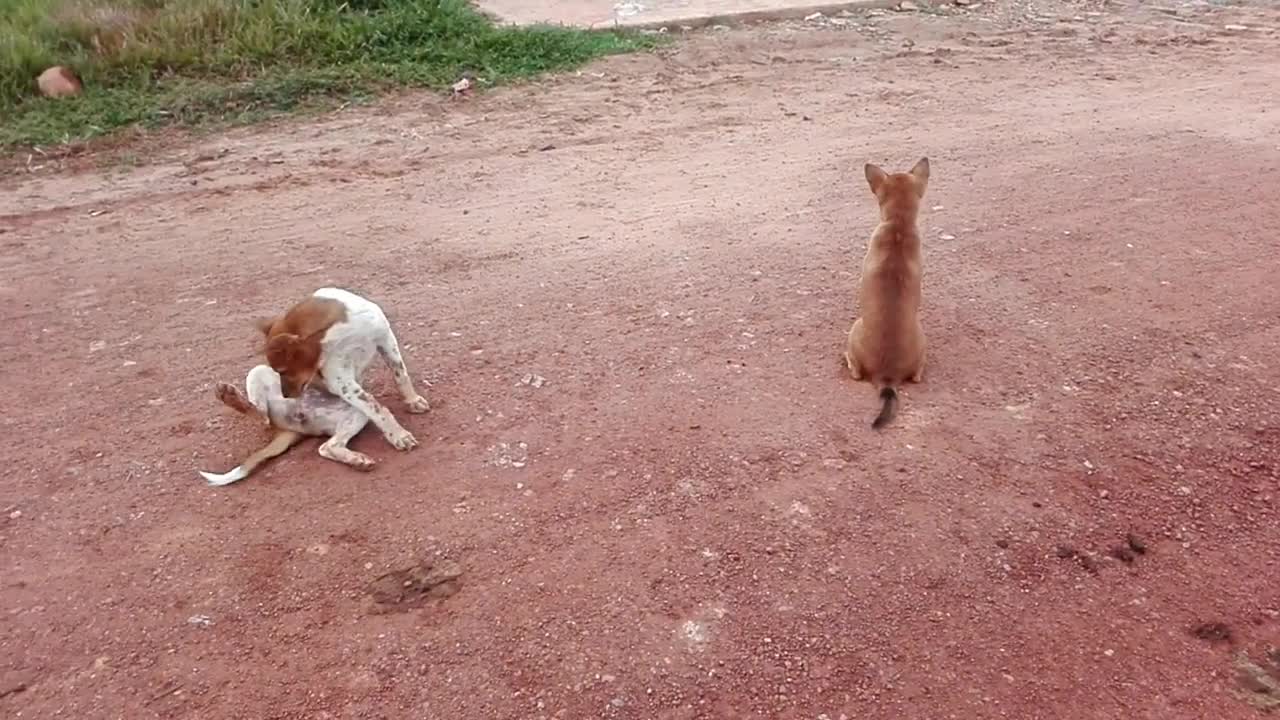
column 389, row 349
column 335, row 448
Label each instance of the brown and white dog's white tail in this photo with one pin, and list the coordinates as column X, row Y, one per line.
column 889, row 396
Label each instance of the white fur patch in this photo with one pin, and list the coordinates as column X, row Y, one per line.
column 261, row 384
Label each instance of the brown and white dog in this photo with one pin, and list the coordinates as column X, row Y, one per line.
column 335, row 334
column 314, row 413
column 886, row 344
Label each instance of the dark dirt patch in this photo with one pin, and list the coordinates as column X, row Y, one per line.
column 1213, row 632
column 1081, row 558
column 415, row 587
column 1129, row 551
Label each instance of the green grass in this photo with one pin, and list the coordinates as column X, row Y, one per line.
column 151, row 63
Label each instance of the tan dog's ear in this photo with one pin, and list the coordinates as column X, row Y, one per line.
column 920, row 171
column 265, row 324
column 875, row 177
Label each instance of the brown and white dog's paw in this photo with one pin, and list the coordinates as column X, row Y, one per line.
column 418, row 405
column 402, row 439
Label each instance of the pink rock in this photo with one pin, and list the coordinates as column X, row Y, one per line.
column 59, row 81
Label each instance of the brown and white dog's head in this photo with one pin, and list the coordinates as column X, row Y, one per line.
column 294, row 341
column 898, row 193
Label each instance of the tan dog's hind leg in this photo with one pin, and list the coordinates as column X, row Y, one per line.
column 335, row 448
column 283, row 440
column 851, row 350
column 919, row 373
column 389, row 349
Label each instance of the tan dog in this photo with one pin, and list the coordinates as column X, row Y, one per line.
column 886, row 344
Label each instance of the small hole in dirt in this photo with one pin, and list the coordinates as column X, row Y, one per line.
column 1066, row 552
column 1214, row 632
column 1135, row 544
column 414, row 587
column 1002, row 544
column 1123, row 554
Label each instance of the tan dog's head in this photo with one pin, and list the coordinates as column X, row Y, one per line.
column 293, row 341
column 898, row 193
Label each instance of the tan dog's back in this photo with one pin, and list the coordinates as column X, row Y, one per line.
column 886, row 344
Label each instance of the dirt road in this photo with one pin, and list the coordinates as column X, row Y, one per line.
column 1074, row 516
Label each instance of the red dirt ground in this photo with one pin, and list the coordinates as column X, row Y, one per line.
column 703, row 524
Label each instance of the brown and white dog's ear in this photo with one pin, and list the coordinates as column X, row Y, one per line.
column 920, row 171
column 875, row 177
column 282, row 350
column 295, row 359
column 265, row 324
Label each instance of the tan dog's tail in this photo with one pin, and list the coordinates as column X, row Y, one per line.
column 890, row 398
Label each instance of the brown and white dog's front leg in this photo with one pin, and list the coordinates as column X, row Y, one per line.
column 342, row 382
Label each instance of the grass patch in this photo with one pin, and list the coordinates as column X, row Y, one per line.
column 160, row 62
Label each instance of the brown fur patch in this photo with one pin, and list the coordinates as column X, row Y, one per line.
column 293, row 340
